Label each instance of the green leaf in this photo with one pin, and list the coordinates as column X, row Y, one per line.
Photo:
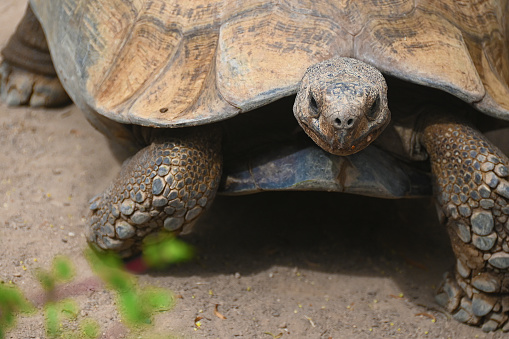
column 157, row 299
column 163, row 249
column 68, row 308
column 46, row 279
column 90, row 328
column 12, row 302
column 62, row 268
column 132, row 309
column 51, row 315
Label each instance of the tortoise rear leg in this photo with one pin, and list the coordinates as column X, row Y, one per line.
column 27, row 75
column 166, row 185
column 472, row 188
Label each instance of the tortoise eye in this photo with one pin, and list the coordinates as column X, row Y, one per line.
column 313, row 105
column 373, row 110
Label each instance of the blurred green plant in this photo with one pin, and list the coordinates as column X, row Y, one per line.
column 61, row 271
column 12, row 302
column 136, row 305
column 163, row 249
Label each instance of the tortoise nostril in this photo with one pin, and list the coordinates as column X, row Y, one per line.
column 344, row 124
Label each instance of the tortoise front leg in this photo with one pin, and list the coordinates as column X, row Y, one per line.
column 471, row 187
column 166, row 185
column 27, row 75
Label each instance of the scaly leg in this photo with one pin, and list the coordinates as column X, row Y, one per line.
column 27, row 75
column 167, row 184
column 472, row 189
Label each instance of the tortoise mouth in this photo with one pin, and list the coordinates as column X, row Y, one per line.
column 342, row 143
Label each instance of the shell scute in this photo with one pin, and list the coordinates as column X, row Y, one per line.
column 176, row 63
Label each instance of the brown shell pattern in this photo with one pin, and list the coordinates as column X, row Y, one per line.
column 178, row 63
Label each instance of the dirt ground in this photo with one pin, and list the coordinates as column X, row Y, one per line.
column 296, row 265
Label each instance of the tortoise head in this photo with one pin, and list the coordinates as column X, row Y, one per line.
column 342, row 105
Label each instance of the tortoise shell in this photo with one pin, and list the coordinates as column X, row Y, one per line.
column 170, row 63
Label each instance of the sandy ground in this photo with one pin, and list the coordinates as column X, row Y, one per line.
column 300, row 265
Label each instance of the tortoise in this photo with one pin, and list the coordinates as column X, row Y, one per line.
column 163, row 77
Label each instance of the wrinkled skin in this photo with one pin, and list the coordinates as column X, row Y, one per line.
column 342, row 105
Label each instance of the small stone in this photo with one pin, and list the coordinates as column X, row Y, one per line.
column 501, row 170
column 157, row 186
column 482, row 222
column 499, row 260
column 487, row 166
column 193, row 213
column 484, row 243
column 124, row 230
column 481, row 305
column 487, row 203
column 503, row 189
column 485, row 283
column 237, row 275
column 463, row 232
column 140, row 218
column 127, row 207
column 173, row 223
